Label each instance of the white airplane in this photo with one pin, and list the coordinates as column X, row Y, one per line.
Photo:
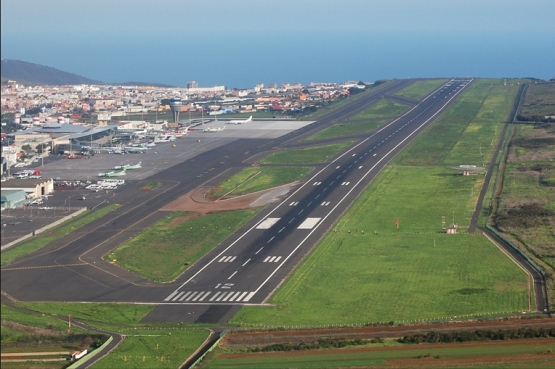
column 240, row 121
column 115, row 174
column 213, row 129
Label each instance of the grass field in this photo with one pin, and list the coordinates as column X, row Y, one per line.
column 413, row 272
column 154, row 348
column 309, row 155
column 251, row 180
column 164, row 251
column 45, row 238
column 116, row 314
column 384, row 108
column 420, row 89
column 347, row 128
column 521, row 354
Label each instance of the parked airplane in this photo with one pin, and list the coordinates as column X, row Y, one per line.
column 115, row 174
column 213, row 129
column 240, row 121
column 134, row 150
column 136, row 166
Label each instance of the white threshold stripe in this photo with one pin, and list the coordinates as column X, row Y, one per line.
column 213, row 297
column 271, row 259
column 241, row 297
column 360, row 180
column 205, row 296
column 234, row 296
column 222, row 295
column 190, row 297
column 277, row 259
column 267, row 258
column 249, row 296
column 184, row 296
column 177, row 296
column 170, row 296
column 308, row 182
column 233, row 258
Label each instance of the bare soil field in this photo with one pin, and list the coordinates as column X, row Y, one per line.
column 267, row 338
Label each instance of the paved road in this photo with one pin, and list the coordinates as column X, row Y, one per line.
column 247, row 267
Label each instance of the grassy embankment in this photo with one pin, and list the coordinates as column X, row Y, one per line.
column 43, row 239
column 27, row 333
column 526, row 211
column 308, row 155
column 145, row 345
column 251, row 180
column 365, row 121
column 164, row 251
column 414, row 272
column 522, row 354
column 153, row 348
column 420, row 89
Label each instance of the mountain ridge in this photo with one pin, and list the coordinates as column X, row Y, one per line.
column 32, row 74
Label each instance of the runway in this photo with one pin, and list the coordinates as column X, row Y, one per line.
column 249, row 265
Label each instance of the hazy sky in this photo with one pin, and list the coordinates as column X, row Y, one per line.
column 95, row 37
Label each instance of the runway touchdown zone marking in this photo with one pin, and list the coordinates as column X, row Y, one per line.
column 309, row 223
column 267, row 223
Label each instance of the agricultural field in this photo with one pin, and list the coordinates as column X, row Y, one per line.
column 526, row 211
column 309, row 155
column 420, row 89
column 154, row 348
column 414, row 271
column 531, row 353
column 45, row 238
column 539, row 101
column 251, row 180
column 164, row 251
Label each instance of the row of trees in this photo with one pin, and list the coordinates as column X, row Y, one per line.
column 479, row 335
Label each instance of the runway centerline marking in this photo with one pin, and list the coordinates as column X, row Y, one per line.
column 231, row 276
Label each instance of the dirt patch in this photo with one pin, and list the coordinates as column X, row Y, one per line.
column 196, row 200
column 177, row 221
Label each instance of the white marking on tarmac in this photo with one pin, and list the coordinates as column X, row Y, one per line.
column 309, row 223
column 246, row 262
column 267, row 223
column 231, row 276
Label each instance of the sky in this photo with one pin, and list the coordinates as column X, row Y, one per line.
column 243, row 42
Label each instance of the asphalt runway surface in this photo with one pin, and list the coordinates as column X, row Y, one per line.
column 251, row 263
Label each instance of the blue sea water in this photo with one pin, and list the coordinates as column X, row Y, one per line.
column 244, row 59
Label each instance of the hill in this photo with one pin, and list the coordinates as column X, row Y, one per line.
column 35, row 74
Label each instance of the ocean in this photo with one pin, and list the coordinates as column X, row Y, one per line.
column 244, row 59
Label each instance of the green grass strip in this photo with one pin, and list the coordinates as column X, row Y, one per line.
column 48, row 236
column 251, row 180
column 164, row 251
column 420, row 89
column 309, row 155
column 384, row 108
